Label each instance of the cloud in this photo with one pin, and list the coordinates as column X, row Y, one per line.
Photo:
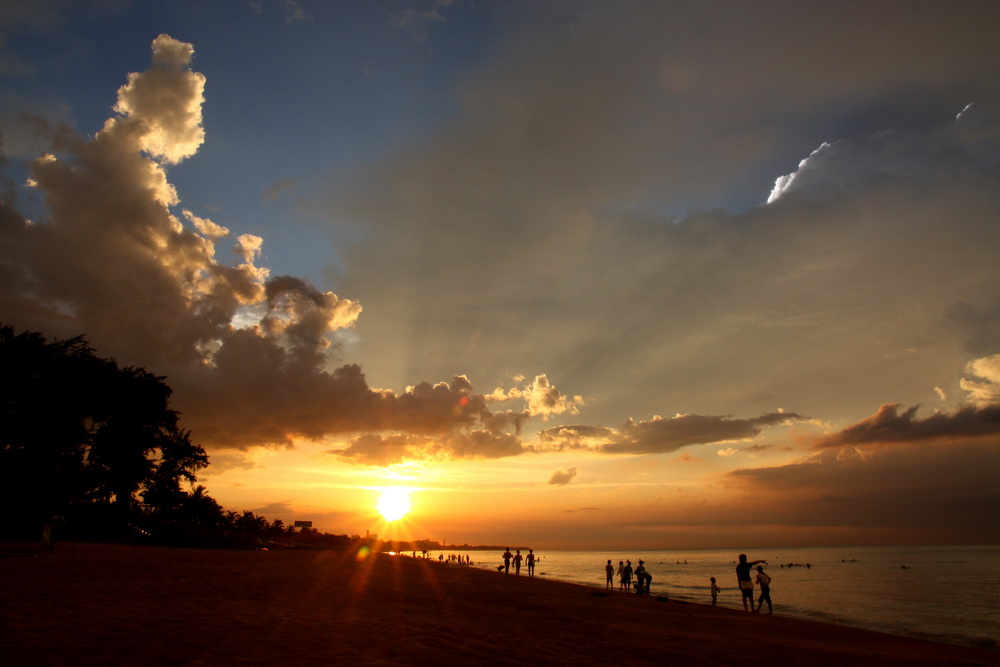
column 850, row 165
column 376, row 449
column 271, row 509
column 907, row 489
column 294, row 11
column 889, row 426
column 986, row 390
column 659, row 435
column 417, row 21
column 562, row 477
column 541, row 398
column 163, row 104
column 249, row 356
column 277, row 190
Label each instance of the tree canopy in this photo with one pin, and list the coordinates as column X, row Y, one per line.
column 78, row 432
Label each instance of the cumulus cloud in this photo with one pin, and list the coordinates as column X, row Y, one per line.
column 985, row 390
column 562, row 477
column 541, row 398
column 163, row 104
column 249, row 355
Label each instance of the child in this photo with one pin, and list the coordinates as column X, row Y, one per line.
column 764, row 581
column 715, row 591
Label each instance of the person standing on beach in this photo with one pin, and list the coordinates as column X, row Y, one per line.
column 744, row 581
column 628, row 575
column 517, row 563
column 530, row 560
column 506, row 562
column 764, row 581
column 643, row 579
column 715, row 591
column 621, row 576
column 609, row 571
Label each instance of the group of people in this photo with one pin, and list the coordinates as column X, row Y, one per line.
column 744, row 578
column 517, row 559
column 746, row 583
column 643, row 578
column 455, row 559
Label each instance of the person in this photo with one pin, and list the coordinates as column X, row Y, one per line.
column 715, row 591
column 609, row 572
column 506, row 562
column 49, row 530
column 517, row 563
column 744, row 581
column 764, row 581
column 643, row 579
column 530, row 560
column 628, row 575
column 621, row 576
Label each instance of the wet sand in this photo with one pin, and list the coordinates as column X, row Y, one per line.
column 90, row 604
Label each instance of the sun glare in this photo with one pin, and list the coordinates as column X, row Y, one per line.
column 394, row 504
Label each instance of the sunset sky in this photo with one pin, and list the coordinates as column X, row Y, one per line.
column 571, row 274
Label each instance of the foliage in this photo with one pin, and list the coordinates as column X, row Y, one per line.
column 99, row 446
column 77, row 431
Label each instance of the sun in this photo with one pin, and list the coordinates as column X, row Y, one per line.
column 394, row 504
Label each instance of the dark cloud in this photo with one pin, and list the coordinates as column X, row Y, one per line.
column 982, row 324
column 916, row 488
column 273, row 508
column 386, row 449
column 659, row 435
column 888, row 425
column 562, row 477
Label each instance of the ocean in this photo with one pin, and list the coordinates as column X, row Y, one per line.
column 943, row 593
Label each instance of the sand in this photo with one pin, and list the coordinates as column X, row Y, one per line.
column 96, row 604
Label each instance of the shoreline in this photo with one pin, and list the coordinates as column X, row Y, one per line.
column 118, row 604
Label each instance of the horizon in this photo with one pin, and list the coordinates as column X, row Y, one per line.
column 563, row 274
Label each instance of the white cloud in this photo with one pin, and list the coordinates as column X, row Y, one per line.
column 985, row 390
column 163, row 104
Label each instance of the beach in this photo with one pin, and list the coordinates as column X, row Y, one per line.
column 109, row 604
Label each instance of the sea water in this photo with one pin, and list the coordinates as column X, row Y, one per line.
column 942, row 593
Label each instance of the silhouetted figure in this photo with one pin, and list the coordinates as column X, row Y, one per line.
column 621, row 576
column 764, row 581
column 744, row 581
column 517, row 563
column 715, row 591
column 50, row 531
column 643, row 579
column 530, row 561
column 609, row 575
column 628, row 574
column 506, row 561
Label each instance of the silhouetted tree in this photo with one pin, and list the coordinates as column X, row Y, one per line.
column 76, row 429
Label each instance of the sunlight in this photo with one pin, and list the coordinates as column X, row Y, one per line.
column 394, row 504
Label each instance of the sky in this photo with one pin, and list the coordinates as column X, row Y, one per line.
column 588, row 274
